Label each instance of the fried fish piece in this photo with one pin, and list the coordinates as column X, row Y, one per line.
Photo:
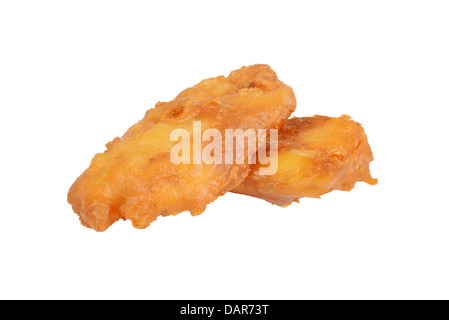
column 315, row 156
column 135, row 178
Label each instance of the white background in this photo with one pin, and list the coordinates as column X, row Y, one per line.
column 76, row 74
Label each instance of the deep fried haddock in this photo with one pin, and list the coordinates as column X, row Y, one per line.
column 316, row 155
column 135, row 178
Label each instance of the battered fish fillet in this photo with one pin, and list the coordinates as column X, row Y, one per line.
column 135, row 178
column 316, row 155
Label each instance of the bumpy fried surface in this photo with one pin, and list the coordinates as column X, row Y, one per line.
column 135, row 178
column 316, row 155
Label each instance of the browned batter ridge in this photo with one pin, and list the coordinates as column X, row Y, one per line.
column 135, row 178
column 316, row 155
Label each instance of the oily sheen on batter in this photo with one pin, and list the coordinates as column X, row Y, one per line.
column 135, row 178
column 316, row 155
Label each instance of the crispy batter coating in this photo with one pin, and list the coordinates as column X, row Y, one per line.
column 135, row 178
column 316, row 155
